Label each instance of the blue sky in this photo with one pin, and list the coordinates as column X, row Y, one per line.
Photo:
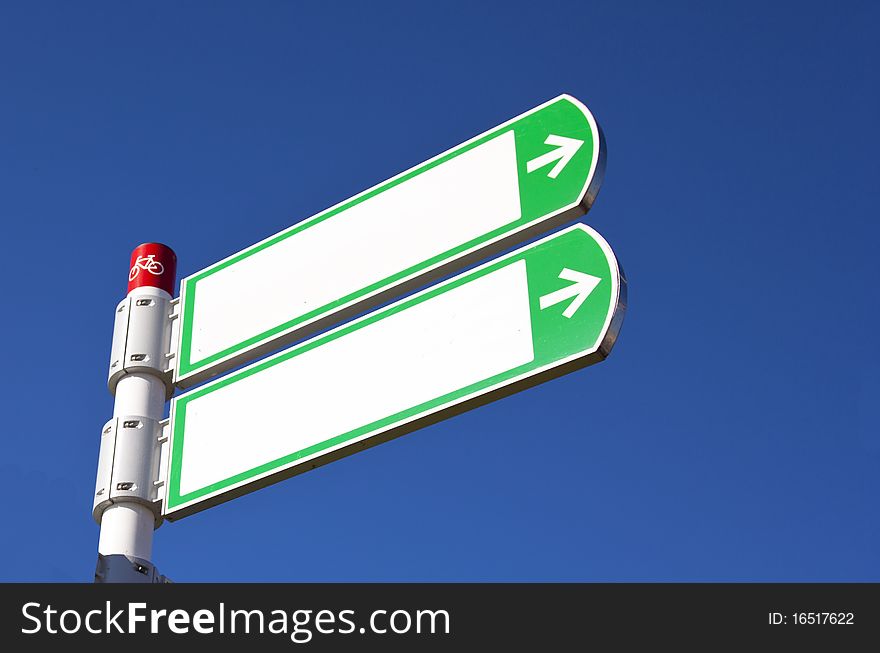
column 733, row 433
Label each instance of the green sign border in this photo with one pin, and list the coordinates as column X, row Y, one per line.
column 551, row 360
column 541, row 210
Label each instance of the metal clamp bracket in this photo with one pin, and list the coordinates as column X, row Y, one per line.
column 142, row 338
column 129, row 464
column 118, row 568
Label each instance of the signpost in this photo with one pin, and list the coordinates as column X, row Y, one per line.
column 522, row 178
column 126, row 500
column 539, row 312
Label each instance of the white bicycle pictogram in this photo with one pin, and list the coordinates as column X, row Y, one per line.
column 147, row 263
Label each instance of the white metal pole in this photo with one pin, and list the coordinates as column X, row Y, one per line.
column 127, row 527
column 128, row 464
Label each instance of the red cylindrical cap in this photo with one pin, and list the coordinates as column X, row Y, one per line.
column 155, row 265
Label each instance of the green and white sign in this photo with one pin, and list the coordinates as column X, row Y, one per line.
column 539, row 312
column 522, row 178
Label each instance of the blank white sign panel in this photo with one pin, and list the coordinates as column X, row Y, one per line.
column 371, row 241
column 440, row 345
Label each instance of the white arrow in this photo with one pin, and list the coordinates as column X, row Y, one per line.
column 583, row 285
column 566, row 148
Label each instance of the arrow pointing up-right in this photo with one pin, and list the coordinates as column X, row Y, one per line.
column 565, row 150
column 583, row 285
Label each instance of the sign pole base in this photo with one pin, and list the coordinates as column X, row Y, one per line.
column 118, row 568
